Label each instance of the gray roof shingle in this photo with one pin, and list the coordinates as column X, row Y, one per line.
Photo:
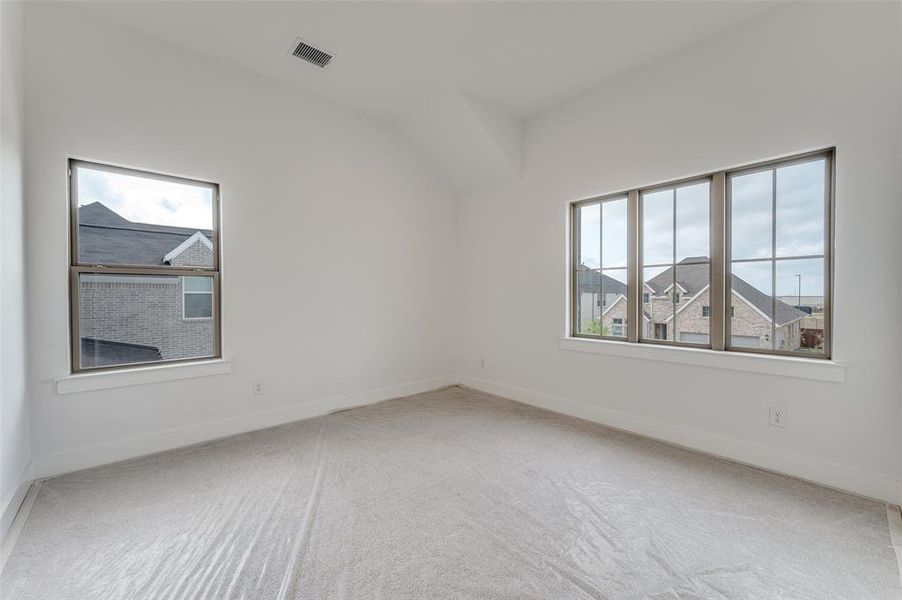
column 105, row 237
column 591, row 281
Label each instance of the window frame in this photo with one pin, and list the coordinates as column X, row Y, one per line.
column 77, row 267
column 829, row 157
column 640, row 264
column 720, row 239
column 575, row 261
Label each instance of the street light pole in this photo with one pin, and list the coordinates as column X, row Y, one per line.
column 799, row 305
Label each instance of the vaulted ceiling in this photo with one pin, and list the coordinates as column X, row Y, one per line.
column 457, row 78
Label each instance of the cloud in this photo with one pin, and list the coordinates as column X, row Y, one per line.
column 145, row 200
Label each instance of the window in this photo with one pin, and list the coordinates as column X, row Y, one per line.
column 600, row 259
column 144, row 270
column 779, row 242
column 675, row 256
column 756, row 240
column 197, row 297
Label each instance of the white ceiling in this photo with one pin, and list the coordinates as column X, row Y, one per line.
column 395, row 58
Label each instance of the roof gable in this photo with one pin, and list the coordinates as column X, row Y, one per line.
column 198, row 237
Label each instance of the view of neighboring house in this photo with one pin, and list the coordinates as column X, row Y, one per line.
column 598, row 293
column 752, row 310
column 141, row 318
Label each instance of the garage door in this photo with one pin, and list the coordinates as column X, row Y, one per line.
column 693, row 338
column 745, row 341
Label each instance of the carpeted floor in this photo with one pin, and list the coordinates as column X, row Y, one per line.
column 449, row 494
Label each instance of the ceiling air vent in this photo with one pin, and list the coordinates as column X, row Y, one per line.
column 312, row 55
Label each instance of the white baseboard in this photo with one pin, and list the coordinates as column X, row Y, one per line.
column 841, row 477
column 19, row 517
column 101, row 454
column 11, row 504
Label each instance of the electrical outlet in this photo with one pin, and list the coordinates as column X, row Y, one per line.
column 258, row 388
column 482, row 364
column 778, row 416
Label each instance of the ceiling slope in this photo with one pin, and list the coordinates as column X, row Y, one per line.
column 468, row 144
column 458, row 78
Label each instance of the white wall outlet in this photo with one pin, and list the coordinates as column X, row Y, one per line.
column 778, row 416
column 258, row 388
column 482, row 363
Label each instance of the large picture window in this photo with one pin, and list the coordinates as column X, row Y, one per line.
column 737, row 260
column 144, row 271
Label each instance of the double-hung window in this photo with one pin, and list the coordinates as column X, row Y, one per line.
column 144, row 271
column 737, row 259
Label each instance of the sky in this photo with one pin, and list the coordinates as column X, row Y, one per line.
column 800, row 230
column 147, row 200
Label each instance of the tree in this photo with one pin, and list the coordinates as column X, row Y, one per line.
column 596, row 328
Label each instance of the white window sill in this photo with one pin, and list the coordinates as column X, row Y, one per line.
column 785, row 366
column 102, row 380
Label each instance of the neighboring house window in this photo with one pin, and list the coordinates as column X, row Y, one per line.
column 600, row 250
column 757, row 236
column 197, row 296
column 617, row 329
column 144, row 271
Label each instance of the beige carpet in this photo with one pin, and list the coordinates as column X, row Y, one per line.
column 449, row 494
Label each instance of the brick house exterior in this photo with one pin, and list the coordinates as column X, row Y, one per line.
column 141, row 318
column 752, row 310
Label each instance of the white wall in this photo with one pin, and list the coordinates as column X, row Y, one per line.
column 15, row 444
column 338, row 257
column 810, row 75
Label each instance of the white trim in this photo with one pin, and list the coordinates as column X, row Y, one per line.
column 198, row 236
column 688, row 302
column 613, row 304
column 765, row 364
column 12, row 503
column 894, row 518
column 127, row 279
column 756, row 309
column 667, row 289
column 102, row 380
column 826, row 473
column 110, row 452
column 752, row 306
column 29, row 491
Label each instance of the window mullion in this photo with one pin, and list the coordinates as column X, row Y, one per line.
column 718, row 299
column 773, row 262
column 633, row 272
column 673, row 270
